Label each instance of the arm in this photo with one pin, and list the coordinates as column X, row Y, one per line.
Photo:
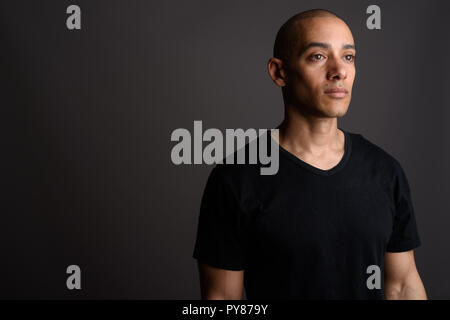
column 402, row 280
column 220, row 284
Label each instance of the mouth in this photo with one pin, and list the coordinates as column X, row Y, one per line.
column 336, row 92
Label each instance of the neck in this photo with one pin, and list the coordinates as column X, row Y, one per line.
column 304, row 134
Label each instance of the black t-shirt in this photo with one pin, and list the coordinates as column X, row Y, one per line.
column 308, row 233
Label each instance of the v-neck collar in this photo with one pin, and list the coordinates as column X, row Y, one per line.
column 329, row 172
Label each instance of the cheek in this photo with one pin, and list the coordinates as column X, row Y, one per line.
column 309, row 83
column 351, row 75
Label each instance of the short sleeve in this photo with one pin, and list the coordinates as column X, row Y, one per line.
column 219, row 237
column 404, row 235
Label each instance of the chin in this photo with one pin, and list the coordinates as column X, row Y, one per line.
column 334, row 110
column 341, row 113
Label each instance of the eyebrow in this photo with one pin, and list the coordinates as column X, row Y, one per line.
column 326, row 46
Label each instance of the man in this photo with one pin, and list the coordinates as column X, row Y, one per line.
column 336, row 221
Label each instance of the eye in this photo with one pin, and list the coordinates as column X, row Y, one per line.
column 350, row 57
column 317, row 56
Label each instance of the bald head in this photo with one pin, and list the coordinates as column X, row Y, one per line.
column 314, row 53
column 289, row 35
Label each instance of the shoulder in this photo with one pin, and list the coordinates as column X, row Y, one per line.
column 234, row 175
column 369, row 151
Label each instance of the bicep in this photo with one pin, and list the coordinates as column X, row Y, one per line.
column 218, row 284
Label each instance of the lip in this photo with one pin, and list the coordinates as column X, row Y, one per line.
column 336, row 92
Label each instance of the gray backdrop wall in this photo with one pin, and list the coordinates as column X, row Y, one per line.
column 87, row 117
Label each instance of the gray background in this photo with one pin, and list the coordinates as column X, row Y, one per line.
column 86, row 119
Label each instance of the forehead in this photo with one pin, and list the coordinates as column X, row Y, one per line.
column 324, row 29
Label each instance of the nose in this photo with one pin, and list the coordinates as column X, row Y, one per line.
column 336, row 69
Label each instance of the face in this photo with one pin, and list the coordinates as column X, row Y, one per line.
column 321, row 71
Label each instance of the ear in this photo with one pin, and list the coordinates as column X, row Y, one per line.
column 277, row 71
